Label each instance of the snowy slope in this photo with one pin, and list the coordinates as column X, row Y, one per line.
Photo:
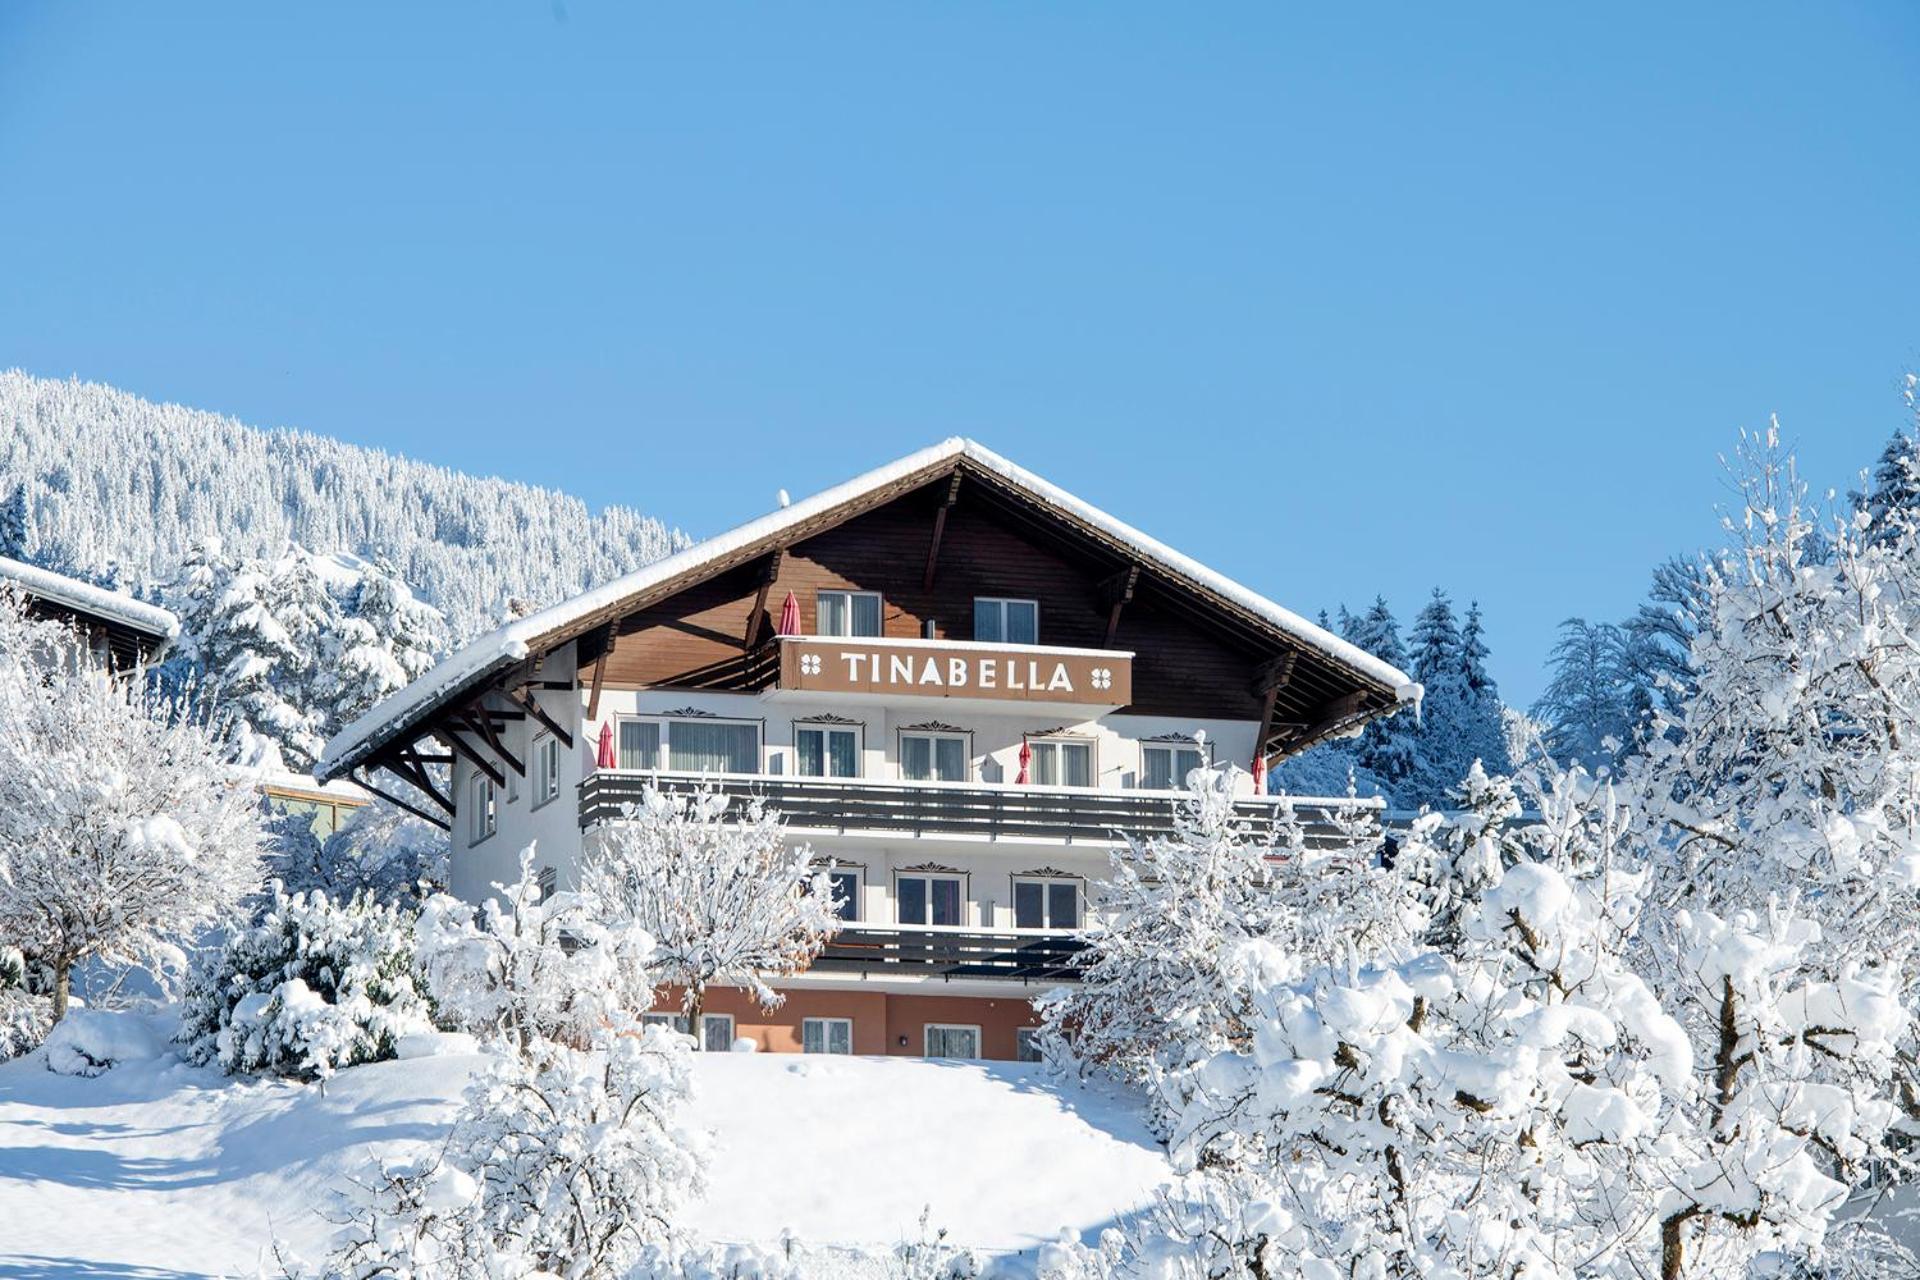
column 160, row 1170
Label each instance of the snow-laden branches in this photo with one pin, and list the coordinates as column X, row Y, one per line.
column 721, row 894
column 122, row 829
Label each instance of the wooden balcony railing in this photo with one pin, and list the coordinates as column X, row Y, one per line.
column 1023, row 956
column 946, row 808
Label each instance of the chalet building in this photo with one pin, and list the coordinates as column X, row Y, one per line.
column 955, row 681
column 124, row 632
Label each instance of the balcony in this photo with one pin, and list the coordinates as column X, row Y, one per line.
column 931, row 951
column 946, row 809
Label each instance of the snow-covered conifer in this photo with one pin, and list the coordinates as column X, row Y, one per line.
column 720, row 892
column 1587, row 705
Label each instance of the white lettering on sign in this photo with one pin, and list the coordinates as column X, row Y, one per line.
column 961, row 671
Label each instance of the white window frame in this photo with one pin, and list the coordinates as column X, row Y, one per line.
column 824, row 728
column 1067, row 739
column 666, row 723
column 926, row 1039
column 966, row 903
column 859, row 874
column 708, row 1021
column 680, row 1024
column 546, row 769
column 879, row 610
column 1022, row 1037
column 826, row 1035
column 1179, row 782
column 486, row 809
column 966, row 753
column 1079, row 884
column 1003, row 602
column 548, row 881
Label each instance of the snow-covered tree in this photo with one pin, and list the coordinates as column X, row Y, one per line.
column 723, row 897
column 1388, row 747
column 16, row 524
column 385, row 640
column 381, row 851
column 313, row 986
column 122, row 829
column 1587, row 703
column 1659, row 639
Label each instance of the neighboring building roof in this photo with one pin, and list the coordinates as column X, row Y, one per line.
column 500, row 649
column 114, row 608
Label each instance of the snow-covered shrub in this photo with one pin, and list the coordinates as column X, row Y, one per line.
column 720, row 893
column 25, row 1015
column 523, row 967
column 928, row 1256
column 706, row 1261
column 314, row 986
column 89, row 1041
column 381, row 851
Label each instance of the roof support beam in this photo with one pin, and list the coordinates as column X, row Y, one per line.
column 939, row 531
column 1116, row 592
column 411, row 766
column 1329, row 718
column 599, row 671
column 477, row 719
column 757, row 619
column 360, row 777
column 455, row 743
column 526, row 699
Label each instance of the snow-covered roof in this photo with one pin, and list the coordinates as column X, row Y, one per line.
column 115, row 607
column 502, row 648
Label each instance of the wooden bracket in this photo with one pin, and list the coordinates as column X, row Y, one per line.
column 1116, row 592
column 757, row 619
column 454, row 743
column 599, row 671
column 412, row 767
column 1275, row 673
column 478, row 720
column 525, row 699
column 360, row 777
column 1330, row 716
column 939, row 531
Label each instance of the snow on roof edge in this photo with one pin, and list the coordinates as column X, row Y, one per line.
column 509, row 642
column 84, row 597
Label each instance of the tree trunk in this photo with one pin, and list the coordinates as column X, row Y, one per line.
column 1673, row 1245
column 62, row 986
column 696, row 1006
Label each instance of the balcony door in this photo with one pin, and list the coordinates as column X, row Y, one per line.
column 1061, row 762
column 823, row 752
column 933, row 757
column 1046, row 902
column 689, row 745
column 926, row 898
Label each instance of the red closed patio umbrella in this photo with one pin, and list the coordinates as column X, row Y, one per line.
column 789, row 616
column 1026, row 758
column 606, row 759
column 1260, row 774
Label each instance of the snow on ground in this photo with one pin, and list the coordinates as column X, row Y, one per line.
column 160, row 1171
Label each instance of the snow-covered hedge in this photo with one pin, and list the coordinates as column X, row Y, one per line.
column 89, row 1041
column 314, row 986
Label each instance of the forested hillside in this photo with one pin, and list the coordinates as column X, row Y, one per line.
column 107, row 486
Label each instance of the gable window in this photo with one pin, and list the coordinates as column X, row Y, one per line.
column 848, row 613
column 690, row 745
column 485, row 818
column 1006, row 621
column 546, row 769
column 1165, row 766
column 826, row 1035
column 1046, row 902
column 933, row 757
column 1062, row 762
column 921, row 898
column 826, row 752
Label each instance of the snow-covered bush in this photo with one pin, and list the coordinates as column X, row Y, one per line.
column 522, row 967
column 89, row 1041
column 314, row 986
column 1159, row 988
column 381, row 851
column 720, row 893
column 25, row 1015
column 122, row 830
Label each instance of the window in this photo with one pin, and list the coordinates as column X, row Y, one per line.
column 546, row 769
column 848, row 613
column 1006, row 621
column 1046, row 902
column 716, row 1028
column 821, row 752
column 826, row 1035
column 690, row 746
column 1026, row 1045
column 929, row 899
column 485, row 818
column 1164, row 767
column 933, row 757
column 846, row 892
column 944, row 1041
column 548, row 880
column 1062, row 762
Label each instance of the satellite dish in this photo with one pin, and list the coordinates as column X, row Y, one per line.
column 785, row 501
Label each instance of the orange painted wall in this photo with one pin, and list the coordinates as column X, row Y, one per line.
column 879, row 1019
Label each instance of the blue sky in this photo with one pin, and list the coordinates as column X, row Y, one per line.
column 1337, row 302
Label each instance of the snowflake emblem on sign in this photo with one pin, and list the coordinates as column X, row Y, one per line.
column 1102, row 677
column 809, row 664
